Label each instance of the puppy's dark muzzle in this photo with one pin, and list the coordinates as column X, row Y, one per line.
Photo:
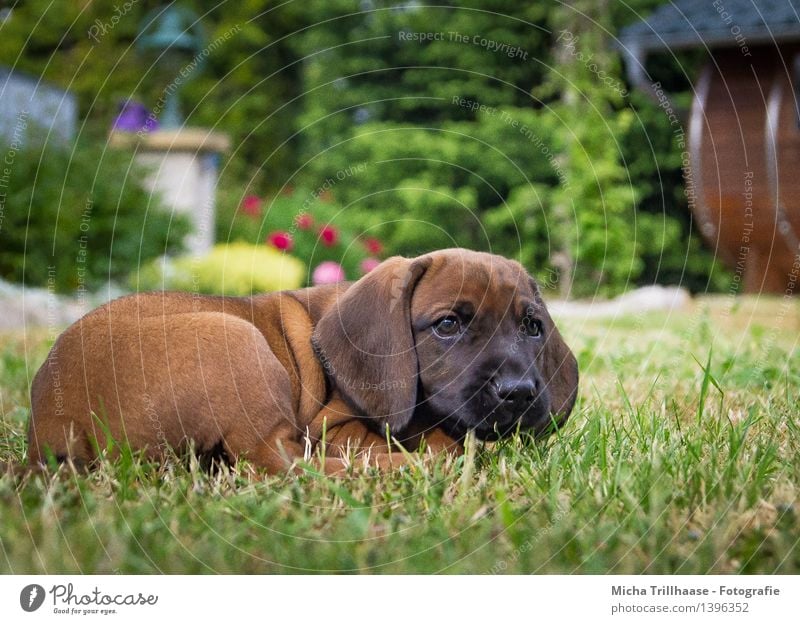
column 515, row 397
column 518, row 404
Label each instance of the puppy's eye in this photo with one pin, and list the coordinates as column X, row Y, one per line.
column 446, row 327
column 533, row 326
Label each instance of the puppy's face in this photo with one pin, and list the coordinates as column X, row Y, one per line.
column 458, row 338
column 479, row 330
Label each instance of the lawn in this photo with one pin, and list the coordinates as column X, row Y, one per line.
column 668, row 465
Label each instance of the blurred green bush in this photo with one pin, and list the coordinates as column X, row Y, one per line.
column 529, row 154
column 236, row 269
column 75, row 216
column 429, row 142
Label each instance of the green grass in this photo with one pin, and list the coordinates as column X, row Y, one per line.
column 679, row 457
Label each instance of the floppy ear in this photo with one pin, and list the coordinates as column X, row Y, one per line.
column 366, row 344
column 558, row 367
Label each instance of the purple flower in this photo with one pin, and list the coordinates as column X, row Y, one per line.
column 133, row 117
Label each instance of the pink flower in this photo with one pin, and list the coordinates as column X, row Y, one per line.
column 373, row 246
column 328, row 272
column 281, row 240
column 367, row 264
column 329, row 235
column 251, row 206
column 304, row 221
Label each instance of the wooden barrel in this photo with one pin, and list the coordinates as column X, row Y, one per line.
column 744, row 181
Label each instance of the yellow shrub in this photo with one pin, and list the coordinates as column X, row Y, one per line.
column 234, row 269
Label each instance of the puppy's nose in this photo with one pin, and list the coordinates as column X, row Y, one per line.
column 518, row 393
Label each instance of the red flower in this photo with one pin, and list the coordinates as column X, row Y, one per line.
column 329, row 235
column 325, row 196
column 304, row 221
column 373, row 246
column 287, row 191
column 251, row 206
column 280, row 240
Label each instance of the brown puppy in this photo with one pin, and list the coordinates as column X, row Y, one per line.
column 426, row 348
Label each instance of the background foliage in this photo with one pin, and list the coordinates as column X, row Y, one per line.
column 576, row 177
column 76, row 217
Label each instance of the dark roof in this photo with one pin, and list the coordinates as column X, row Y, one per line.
column 696, row 23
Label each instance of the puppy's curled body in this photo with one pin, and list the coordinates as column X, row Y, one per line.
column 260, row 377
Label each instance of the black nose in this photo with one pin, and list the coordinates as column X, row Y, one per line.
column 517, row 394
